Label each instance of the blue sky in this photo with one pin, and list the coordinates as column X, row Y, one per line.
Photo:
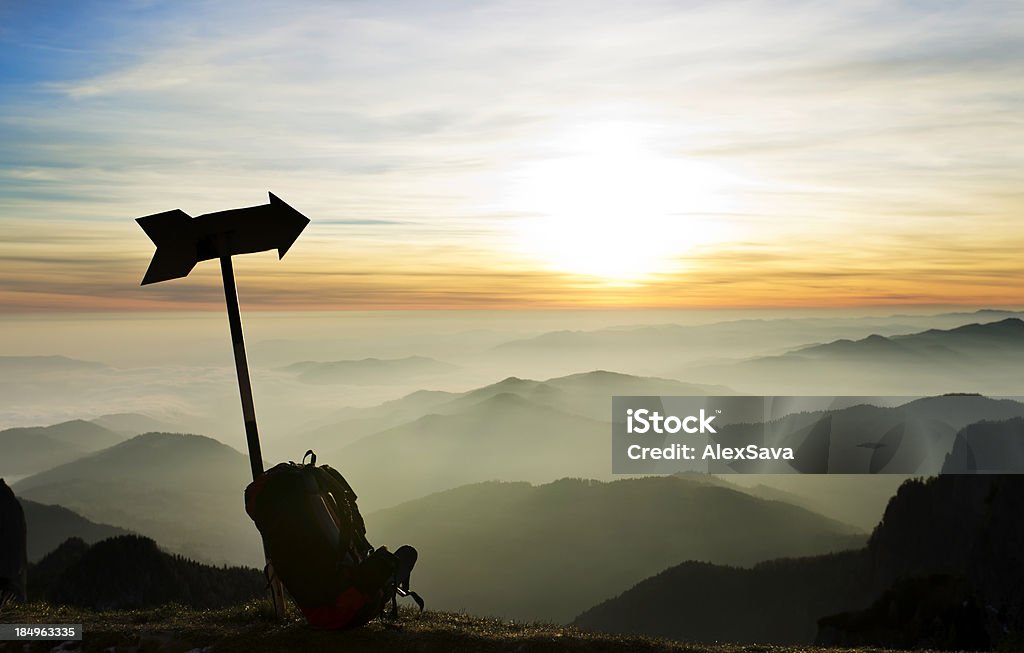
column 500, row 153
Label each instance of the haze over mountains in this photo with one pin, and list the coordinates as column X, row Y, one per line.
column 423, row 430
column 585, row 395
column 990, row 340
column 510, row 430
column 32, row 449
column 676, row 349
column 965, row 528
column 131, row 424
column 514, row 430
column 49, row 526
column 370, row 371
column 178, row 370
column 544, row 552
column 184, row 491
column 154, row 482
column 970, row 358
column 914, row 437
column 14, row 366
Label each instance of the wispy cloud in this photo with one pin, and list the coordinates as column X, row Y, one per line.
column 857, row 129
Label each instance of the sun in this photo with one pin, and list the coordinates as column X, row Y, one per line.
column 611, row 206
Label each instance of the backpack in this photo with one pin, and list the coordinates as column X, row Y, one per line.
column 13, row 557
column 316, row 539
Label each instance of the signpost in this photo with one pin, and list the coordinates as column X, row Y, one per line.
column 182, row 241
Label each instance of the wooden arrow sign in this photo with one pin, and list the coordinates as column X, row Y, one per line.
column 182, row 241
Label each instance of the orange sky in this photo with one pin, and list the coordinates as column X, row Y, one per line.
column 522, row 155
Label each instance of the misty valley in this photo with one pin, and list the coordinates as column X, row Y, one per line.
column 488, row 450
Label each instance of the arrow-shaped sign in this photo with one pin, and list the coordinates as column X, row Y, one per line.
column 182, row 241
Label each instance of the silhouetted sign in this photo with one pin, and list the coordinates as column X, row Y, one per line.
column 182, row 241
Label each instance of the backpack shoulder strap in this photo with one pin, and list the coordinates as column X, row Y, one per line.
column 331, row 481
column 338, row 481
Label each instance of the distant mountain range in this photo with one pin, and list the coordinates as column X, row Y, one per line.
column 979, row 357
column 183, row 490
column 514, row 430
column 979, row 339
column 11, row 366
column 503, row 437
column 49, row 526
column 130, row 572
column 153, row 483
column 673, row 349
column 913, row 438
column 966, row 527
column 31, row 449
column 369, row 371
column 350, row 424
column 582, row 399
column 131, row 424
column 772, row 333
column 546, row 552
column 857, row 499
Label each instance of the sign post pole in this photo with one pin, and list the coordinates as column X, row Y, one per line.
column 181, row 242
column 252, row 435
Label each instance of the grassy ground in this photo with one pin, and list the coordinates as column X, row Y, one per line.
column 251, row 628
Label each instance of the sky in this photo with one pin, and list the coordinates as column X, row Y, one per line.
column 478, row 155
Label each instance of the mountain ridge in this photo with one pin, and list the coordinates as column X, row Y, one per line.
column 975, row 357
column 964, row 526
column 50, row 525
column 171, row 479
column 31, row 449
column 592, row 535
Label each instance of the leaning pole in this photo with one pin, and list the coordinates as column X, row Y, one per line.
column 181, row 242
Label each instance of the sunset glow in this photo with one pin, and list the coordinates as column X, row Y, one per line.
column 614, row 208
column 761, row 154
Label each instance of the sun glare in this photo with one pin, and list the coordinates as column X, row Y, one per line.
column 613, row 207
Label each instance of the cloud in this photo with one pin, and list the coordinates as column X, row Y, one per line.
column 399, row 128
